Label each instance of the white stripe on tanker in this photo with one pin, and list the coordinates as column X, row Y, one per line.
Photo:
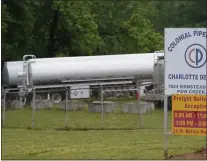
column 57, row 69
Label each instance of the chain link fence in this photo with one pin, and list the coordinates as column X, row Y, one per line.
column 84, row 108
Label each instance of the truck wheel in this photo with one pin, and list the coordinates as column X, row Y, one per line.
column 56, row 98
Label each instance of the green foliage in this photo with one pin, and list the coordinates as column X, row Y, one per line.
column 78, row 28
column 75, row 28
column 125, row 29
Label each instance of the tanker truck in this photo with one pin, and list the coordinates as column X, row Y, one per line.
column 155, row 91
column 48, row 73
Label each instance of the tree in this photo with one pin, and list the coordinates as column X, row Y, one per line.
column 124, row 28
column 74, row 28
column 77, row 30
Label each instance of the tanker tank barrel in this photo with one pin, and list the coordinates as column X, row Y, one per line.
column 77, row 69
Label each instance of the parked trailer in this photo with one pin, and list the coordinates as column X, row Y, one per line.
column 87, row 65
column 49, row 72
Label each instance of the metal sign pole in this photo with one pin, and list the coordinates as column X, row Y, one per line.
column 102, row 109
column 165, row 105
column 33, row 108
column 66, row 109
column 165, row 127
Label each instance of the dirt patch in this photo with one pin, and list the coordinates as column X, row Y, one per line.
column 197, row 155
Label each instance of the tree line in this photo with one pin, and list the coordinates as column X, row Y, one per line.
column 78, row 28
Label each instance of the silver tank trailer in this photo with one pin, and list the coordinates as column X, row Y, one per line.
column 52, row 70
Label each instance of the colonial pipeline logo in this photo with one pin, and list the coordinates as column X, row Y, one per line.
column 195, row 56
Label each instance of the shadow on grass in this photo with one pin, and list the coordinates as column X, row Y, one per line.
column 93, row 129
column 83, row 129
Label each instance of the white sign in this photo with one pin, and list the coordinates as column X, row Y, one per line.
column 77, row 92
column 185, row 61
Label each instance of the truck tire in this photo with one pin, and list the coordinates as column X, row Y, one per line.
column 56, row 98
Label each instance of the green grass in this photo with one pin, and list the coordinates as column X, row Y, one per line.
column 114, row 142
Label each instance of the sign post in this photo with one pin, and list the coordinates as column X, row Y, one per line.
column 185, row 74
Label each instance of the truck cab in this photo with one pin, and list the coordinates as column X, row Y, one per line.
column 155, row 92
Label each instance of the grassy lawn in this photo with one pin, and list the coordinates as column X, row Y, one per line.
column 116, row 141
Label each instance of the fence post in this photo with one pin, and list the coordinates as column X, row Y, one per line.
column 139, row 104
column 102, row 109
column 66, row 109
column 4, row 109
column 33, row 107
